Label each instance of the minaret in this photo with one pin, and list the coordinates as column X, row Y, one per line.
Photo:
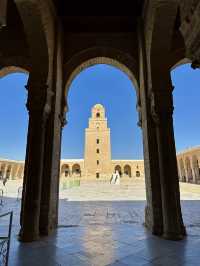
column 97, row 145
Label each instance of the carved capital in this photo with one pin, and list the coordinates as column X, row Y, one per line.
column 161, row 105
column 39, row 100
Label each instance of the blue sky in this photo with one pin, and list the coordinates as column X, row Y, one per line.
column 112, row 88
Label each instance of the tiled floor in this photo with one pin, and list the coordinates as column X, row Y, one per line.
column 107, row 232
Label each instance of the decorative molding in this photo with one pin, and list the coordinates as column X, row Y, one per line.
column 161, row 105
column 39, row 100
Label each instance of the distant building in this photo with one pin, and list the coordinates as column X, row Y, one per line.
column 189, row 165
column 98, row 164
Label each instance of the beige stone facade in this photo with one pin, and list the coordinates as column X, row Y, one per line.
column 11, row 169
column 189, row 165
column 97, row 145
column 97, row 163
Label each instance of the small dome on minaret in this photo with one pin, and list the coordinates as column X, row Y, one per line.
column 98, row 111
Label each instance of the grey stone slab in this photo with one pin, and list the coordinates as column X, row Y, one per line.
column 117, row 263
column 134, row 261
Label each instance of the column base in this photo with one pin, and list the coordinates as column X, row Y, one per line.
column 28, row 237
column 47, row 231
column 156, row 229
column 173, row 236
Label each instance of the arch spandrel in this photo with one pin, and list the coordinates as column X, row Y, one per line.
column 38, row 21
column 159, row 40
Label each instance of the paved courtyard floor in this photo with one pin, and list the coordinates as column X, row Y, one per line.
column 102, row 224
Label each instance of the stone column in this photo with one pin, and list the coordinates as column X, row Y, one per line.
column 194, row 176
column 17, row 171
column 51, row 173
column 38, row 113
column 5, row 171
column 162, row 110
column 50, row 186
column 12, row 171
column 22, row 173
column 186, row 176
column 153, row 210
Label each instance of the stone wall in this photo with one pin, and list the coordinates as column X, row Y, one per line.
column 189, row 165
column 11, row 169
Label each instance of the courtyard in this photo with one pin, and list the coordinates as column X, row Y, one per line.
column 102, row 224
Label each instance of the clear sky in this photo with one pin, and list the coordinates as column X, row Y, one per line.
column 112, row 88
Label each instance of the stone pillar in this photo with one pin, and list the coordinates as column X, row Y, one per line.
column 186, row 176
column 38, row 113
column 182, row 169
column 153, row 210
column 51, row 171
column 5, row 171
column 12, row 170
column 22, row 173
column 162, row 110
column 193, row 173
column 50, row 186
column 17, row 171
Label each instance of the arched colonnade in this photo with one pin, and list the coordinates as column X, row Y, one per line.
column 163, row 34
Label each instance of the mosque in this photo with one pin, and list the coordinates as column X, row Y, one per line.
column 97, row 164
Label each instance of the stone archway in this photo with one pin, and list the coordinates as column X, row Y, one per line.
column 137, row 173
column 76, row 170
column 118, row 169
column 127, row 171
column 99, row 55
column 126, row 63
column 7, row 70
column 65, row 170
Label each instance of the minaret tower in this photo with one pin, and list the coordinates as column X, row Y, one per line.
column 97, row 145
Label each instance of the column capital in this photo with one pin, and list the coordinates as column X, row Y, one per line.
column 39, row 100
column 161, row 104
